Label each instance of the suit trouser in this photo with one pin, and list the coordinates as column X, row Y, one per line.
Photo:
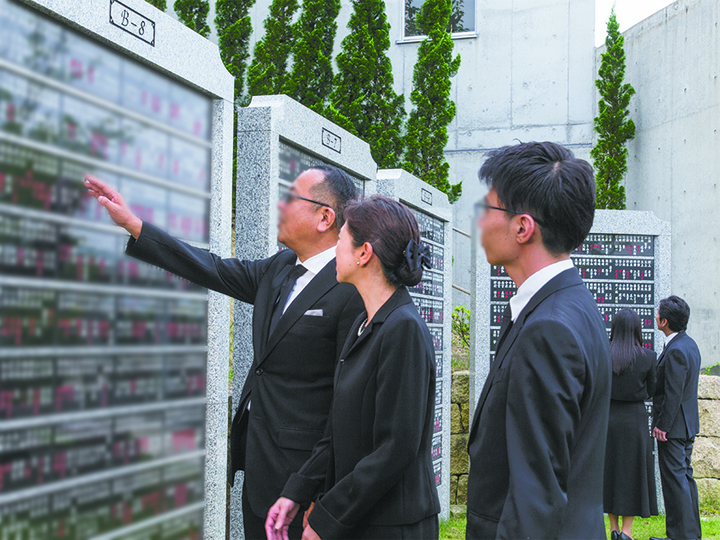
column 682, row 520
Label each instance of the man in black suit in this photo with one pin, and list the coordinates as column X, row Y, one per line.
column 537, row 441
column 301, row 318
column 676, row 420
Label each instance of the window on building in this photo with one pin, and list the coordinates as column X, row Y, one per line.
column 462, row 17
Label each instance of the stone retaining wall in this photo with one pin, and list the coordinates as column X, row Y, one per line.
column 459, row 428
column 706, row 451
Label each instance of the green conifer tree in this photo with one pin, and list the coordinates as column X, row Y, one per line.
column 193, row 14
column 613, row 125
column 269, row 68
column 311, row 78
column 426, row 135
column 363, row 99
column 160, row 4
column 234, row 27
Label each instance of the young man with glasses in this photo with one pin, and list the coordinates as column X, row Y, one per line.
column 537, row 440
column 301, row 318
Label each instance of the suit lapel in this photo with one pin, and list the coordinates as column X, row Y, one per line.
column 399, row 298
column 316, row 289
column 567, row 278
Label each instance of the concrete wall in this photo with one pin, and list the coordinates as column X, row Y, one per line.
column 673, row 62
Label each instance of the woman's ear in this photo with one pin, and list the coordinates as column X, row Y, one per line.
column 365, row 253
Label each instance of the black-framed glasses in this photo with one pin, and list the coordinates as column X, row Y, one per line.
column 482, row 206
column 289, row 196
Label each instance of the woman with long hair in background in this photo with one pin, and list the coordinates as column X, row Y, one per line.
column 629, row 481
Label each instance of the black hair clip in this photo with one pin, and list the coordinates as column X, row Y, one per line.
column 417, row 255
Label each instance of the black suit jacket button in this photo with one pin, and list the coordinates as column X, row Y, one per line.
column 259, row 371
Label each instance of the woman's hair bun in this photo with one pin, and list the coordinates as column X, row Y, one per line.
column 392, row 229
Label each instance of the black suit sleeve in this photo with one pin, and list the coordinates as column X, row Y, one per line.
column 677, row 371
column 232, row 277
column 546, row 381
column 304, row 485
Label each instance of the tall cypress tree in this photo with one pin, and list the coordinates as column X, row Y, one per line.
column 363, row 99
column 193, row 13
column 312, row 76
column 234, row 27
column 160, row 4
column 613, row 125
column 268, row 70
column 426, row 135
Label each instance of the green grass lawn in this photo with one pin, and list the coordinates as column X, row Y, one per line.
column 643, row 528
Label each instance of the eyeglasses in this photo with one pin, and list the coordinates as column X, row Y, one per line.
column 290, row 196
column 482, row 206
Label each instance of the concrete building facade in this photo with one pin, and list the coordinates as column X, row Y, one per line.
column 673, row 61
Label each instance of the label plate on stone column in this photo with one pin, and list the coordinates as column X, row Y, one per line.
column 332, row 141
column 132, row 22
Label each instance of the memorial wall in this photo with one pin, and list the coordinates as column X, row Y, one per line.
column 624, row 261
column 103, row 359
column 433, row 299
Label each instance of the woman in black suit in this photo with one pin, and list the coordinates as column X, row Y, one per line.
column 371, row 476
column 629, row 481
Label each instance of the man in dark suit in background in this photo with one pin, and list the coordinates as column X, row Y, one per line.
column 537, row 441
column 301, row 318
column 676, row 420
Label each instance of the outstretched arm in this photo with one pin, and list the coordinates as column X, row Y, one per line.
column 233, row 277
column 115, row 205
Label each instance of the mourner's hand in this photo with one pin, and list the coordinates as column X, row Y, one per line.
column 113, row 202
column 310, row 534
column 660, row 435
column 279, row 518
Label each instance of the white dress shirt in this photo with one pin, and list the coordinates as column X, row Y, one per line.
column 534, row 283
column 313, row 266
column 669, row 338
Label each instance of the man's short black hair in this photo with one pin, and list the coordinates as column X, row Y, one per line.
column 676, row 311
column 336, row 189
column 547, row 181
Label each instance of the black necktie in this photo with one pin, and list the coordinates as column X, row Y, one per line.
column 505, row 327
column 287, row 287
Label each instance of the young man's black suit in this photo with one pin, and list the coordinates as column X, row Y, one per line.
column 290, row 383
column 675, row 411
column 537, row 441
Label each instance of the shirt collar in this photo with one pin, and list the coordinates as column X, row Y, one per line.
column 534, row 283
column 317, row 262
column 670, row 338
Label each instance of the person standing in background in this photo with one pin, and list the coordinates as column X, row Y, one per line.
column 676, row 420
column 629, row 486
